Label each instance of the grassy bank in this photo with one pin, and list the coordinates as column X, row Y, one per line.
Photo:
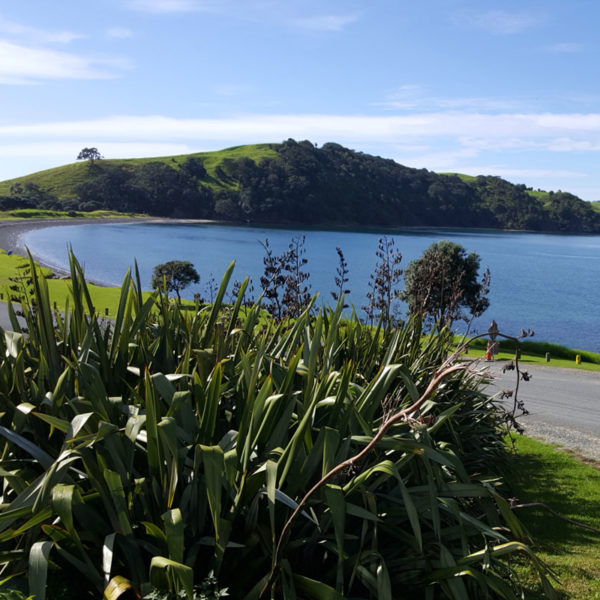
column 39, row 213
column 543, row 474
column 14, row 272
column 534, row 353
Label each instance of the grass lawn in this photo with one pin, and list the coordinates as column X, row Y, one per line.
column 12, row 266
column 553, row 477
column 530, row 359
column 534, row 353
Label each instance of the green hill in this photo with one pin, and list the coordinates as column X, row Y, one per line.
column 62, row 181
column 462, row 177
column 299, row 184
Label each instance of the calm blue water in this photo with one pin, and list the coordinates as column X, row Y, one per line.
column 550, row 283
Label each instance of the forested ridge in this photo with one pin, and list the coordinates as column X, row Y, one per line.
column 299, row 183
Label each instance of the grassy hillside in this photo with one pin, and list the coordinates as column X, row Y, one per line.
column 462, row 177
column 61, row 181
column 538, row 194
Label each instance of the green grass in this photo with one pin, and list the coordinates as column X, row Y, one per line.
column 39, row 213
column 544, row 474
column 461, row 176
column 61, row 181
column 105, row 299
column 596, row 205
column 540, row 195
column 535, row 353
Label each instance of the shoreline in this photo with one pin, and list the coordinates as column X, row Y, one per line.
column 12, row 230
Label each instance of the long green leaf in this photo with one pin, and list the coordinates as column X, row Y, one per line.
column 38, row 568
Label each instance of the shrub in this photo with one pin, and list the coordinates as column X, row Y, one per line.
column 151, row 451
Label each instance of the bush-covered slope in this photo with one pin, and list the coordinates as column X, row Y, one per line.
column 298, row 183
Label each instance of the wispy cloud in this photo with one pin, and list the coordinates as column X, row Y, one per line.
column 415, row 97
column 467, row 128
column 500, row 22
column 120, row 33
column 565, row 48
column 325, row 22
column 524, row 174
column 70, row 149
column 172, row 6
column 36, row 36
column 20, row 64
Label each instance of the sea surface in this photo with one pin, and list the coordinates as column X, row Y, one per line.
column 545, row 282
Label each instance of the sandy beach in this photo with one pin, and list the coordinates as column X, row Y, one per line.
column 11, row 230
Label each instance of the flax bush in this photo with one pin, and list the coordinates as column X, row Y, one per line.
column 167, row 446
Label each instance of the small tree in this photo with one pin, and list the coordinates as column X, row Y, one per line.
column 296, row 296
column 90, row 154
column 284, row 281
column 443, row 282
column 341, row 278
column 176, row 275
column 383, row 282
column 272, row 280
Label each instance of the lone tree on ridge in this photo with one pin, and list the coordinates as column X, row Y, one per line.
column 175, row 275
column 443, row 282
column 90, row 154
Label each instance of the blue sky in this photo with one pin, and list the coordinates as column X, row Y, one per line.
column 476, row 86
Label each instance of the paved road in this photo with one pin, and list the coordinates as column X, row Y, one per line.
column 564, row 405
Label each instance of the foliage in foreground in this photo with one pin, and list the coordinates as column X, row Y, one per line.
column 158, row 448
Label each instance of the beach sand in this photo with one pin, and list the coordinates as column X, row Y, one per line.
column 11, row 231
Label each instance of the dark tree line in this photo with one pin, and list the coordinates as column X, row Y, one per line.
column 335, row 185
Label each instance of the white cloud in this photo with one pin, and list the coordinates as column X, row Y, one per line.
column 482, row 129
column 326, row 22
column 21, row 64
column 500, row 22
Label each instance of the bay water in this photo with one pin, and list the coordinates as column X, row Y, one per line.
column 549, row 283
